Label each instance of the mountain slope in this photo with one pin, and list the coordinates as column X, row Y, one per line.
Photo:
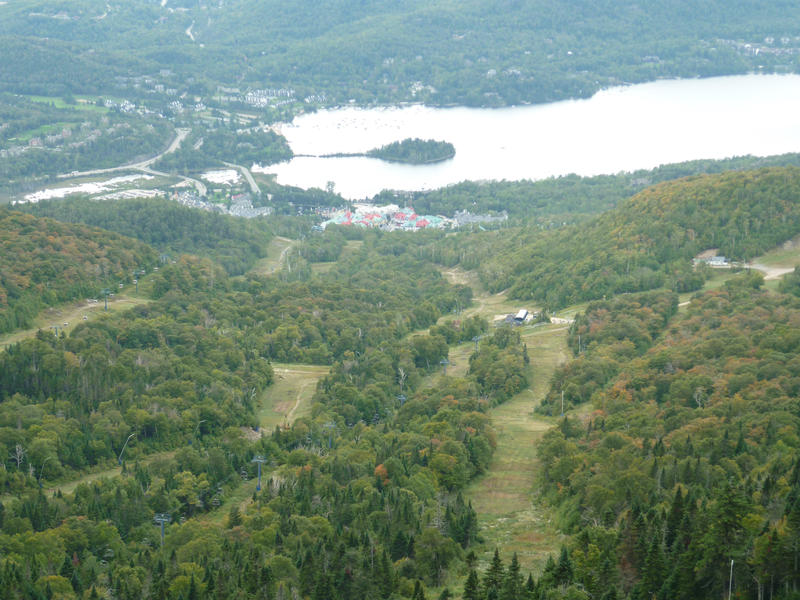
column 45, row 262
column 647, row 242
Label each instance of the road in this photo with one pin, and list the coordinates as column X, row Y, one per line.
column 771, row 272
column 144, row 165
column 248, row 176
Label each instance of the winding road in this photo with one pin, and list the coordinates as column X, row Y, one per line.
column 248, row 176
column 144, row 165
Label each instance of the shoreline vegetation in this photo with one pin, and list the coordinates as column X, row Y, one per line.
column 409, row 151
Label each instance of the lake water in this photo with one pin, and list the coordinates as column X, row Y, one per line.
column 619, row 129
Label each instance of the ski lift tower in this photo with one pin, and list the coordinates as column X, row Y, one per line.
column 260, row 460
column 160, row 519
column 105, row 292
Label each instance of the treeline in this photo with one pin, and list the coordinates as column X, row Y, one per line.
column 568, row 199
column 603, row 340
column 647, row 242
column 45, row 262
column 236, row 244
column 686, row 476
column 415, row 151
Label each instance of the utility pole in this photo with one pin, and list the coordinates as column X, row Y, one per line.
column 105, row 292
column 160, row 519
column 444, row 362
column 562, row 403
column 260, row 460
column 56, row 328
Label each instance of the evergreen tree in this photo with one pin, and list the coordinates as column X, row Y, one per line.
column 471, row 587
column 493, row 578
column 419, row 591
column 564, row 573
column 512, row 583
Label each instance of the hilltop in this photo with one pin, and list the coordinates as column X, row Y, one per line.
column 646, row 242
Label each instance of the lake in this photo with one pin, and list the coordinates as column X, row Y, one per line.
column 618, row 129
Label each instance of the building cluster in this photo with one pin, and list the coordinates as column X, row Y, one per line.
column 718, row 262
column 784, row 46
column 241, row 205
column 268, row 97
column 521, row 317
column 388, row 218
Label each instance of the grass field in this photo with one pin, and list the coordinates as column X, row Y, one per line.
column 290, row 396
column 276, row 252
column 350, row 247
column 505, row 498
column 87, row 103
column 71, row 313
column 509, row 515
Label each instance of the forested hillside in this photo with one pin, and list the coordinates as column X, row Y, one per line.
column 368, row 484
column 45, row 262
column 647, row 242
column 475, row 52
column 567, row 199
column 688, row 466
column 233, row 243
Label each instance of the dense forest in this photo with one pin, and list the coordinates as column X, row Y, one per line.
column 45, row 262
column 685, row 476
column 471, row 53
column 686, row 460
column 185, row 372
column 556, row 201
column 415, row 151
column 235, row 244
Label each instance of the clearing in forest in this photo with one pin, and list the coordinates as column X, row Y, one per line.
column 276, row 253
column 504, row 498
column 509, row 514
column 289, row 397
column 71, row 313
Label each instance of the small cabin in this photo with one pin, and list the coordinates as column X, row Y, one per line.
column 521, row 316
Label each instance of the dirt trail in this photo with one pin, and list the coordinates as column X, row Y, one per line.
column 771, row 273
